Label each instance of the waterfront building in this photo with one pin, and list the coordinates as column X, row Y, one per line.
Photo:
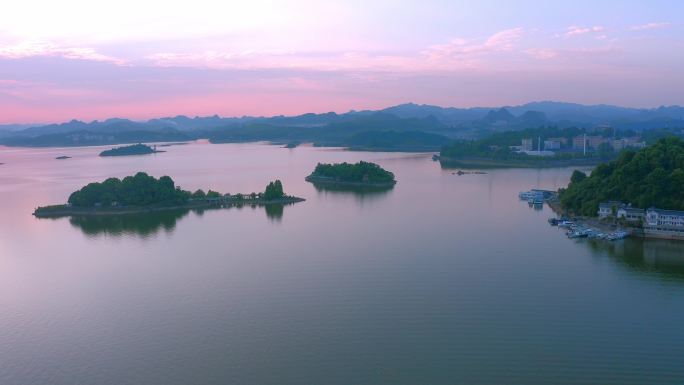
column 527, row 145
column 579, row 142
column 631, row 142
column 664, row 223
column 595, row 141
column 552, row 144
column 610, row 208
column 539, row 153
column 563, row 141
column 631, row 214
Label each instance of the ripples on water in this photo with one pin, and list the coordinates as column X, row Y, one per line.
column 443, row 279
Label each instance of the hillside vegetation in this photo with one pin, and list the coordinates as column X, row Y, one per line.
column 653, row 176
column 361, row 172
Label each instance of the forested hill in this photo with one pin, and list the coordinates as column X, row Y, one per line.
column 400, row 127
column 651, row 177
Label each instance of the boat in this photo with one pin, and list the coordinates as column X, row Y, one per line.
column 553, row 221
column 579, row 233
column 617, row 235
column 525, row 195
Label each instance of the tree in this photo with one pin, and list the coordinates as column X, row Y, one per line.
column 199, row 194
column 137, row 190
column 274, row 190
column 653, row 176
column 577, row 176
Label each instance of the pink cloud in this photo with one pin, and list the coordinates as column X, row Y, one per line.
column 576, row 57
column 542, row 53
column 648, row 26
column 33, row 48
column 576, row 31
column 458, row 53
column 500, row 41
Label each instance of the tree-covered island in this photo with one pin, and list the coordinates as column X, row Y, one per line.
column 144, row 193
column 134, row 149
column 650, row 177
column 358, row 174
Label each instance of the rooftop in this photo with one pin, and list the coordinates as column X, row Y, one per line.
column 666, row 212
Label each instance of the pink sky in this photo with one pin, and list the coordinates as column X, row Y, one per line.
column 78, row 61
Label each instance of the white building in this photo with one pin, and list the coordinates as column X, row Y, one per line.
column 609, row 209
column 539, row 153
column 664, row 223
column 527, row 145
column 631, row 214
column 552, row 144
column 633, row 142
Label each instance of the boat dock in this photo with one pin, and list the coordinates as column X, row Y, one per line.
column 575, row 227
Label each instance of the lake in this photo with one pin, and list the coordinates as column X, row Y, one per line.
column 444, row 279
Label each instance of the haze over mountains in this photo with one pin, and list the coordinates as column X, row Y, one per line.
column 403, row 126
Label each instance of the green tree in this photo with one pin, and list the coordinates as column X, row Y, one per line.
column 577, row 176
column 137, row 190
column 199, row 194
column 652, row 176
column 274, row 190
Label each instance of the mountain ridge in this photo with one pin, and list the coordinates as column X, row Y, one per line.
column 331, row 128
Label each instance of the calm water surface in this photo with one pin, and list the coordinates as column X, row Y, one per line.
column 445, row 279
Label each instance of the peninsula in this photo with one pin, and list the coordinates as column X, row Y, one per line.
column 537, row 147
column 142, row 193
column 358, row 174
column 642, row 190
column 651, row 177
column 135, row 149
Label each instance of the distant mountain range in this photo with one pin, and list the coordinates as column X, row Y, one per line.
column 402, row 127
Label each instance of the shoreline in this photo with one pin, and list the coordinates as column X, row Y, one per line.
column 333, row 182
column 65, row 211
column 514, row 163
column 596, row 223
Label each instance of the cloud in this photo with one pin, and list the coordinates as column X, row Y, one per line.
column 459, row 53
column 500, row 41
column 570, row 55
column 36, row 48
column 542, row 53
column 577, row 31
column 648, row 26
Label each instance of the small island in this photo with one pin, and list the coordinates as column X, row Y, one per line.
column 135, row 149
column 63, row 157
column 143, row 193
column 358, row 174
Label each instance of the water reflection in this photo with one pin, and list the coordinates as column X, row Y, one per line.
column 362, row 193
column 143, row 225
column 146, row 225
column 274, row 212
column 466, row 165
column 645, row 255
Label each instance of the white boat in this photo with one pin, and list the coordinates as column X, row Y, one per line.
column 525, row 195
column 580, row 232
column 617, row 235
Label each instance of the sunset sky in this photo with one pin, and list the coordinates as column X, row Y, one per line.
column 83, row 59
